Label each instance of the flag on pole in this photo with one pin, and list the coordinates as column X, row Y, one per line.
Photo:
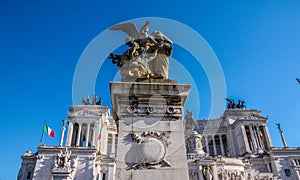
column 261, row 135
column 99, row 136
column 49, row 131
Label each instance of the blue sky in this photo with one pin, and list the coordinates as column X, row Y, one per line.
column 257, row 44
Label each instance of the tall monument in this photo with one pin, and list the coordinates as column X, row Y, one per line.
column 148, row 109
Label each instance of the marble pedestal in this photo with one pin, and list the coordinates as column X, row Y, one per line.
column 150, row 123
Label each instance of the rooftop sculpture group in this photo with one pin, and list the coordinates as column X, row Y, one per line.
column 87, row 101
column 147, row 57
column 231, row 104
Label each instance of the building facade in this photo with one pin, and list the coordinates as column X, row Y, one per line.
column 235, row 146
column 88, row 153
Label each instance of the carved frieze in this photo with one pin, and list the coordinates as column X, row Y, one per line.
column 153, row 110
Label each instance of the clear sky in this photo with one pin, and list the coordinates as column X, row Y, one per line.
column 257, row 44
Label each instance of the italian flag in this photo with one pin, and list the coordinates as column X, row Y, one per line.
column 49, row 131
column 99, row 136
column 261, row 135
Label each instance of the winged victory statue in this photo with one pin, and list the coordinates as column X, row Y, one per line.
column 147, row 56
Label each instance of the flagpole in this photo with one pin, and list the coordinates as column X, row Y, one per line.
column 42, row 132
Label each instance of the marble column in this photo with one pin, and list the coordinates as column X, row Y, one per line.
column 221, row 144
column 70, row 134
column 113, row 144
column 214, row 144
column 257, row 137
column 250, row 141
column 297, row 173
column 78, row 134
column 99, row 172
column 62, row 132
column 87, row 135
column 229, row 150
column 94, row 134
column 253, row 138
column 200, row 173
column 267, row 136
column 206, row 144
column 105, row 138
column 215, row 173
column 247, row 144
column 268, row 166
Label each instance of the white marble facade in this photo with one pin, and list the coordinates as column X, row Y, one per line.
column 230, row 147
column 238, row 146
column 88, row 153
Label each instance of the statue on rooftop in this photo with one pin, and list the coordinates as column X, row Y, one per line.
column 241, row 104
column 232, row 105
column 190, row 123
column 147, row 56
column 87, row 101
column 278, row 126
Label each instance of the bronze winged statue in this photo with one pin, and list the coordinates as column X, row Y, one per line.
column 147, row 56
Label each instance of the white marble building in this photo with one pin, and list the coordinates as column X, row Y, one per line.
column 231, row 147
column 88, row 153
column 237, row 146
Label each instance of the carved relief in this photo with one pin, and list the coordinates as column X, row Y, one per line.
column 207, row 173
column 63, row 159
column 151, row 109
column 131, row 109
column 152, row 149
column 231, row 174
column 64, row 162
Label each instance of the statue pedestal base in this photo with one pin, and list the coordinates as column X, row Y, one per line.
column 151, row 141
column 61, row 174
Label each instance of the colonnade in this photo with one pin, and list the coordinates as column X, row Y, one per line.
column 81, row 132
column 85, row 134
column 216, row 143
column 256, row 137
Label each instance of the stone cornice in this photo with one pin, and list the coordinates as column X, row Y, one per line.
column 288, row 151
column 249, row 121
column 87, row 111
column 56, row 149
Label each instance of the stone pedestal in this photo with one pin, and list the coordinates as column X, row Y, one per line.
column 151, row 141
column 61, row 174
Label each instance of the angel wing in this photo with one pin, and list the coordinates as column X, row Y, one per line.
column 157, row 35
column 129, row 28
column 145, row 27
